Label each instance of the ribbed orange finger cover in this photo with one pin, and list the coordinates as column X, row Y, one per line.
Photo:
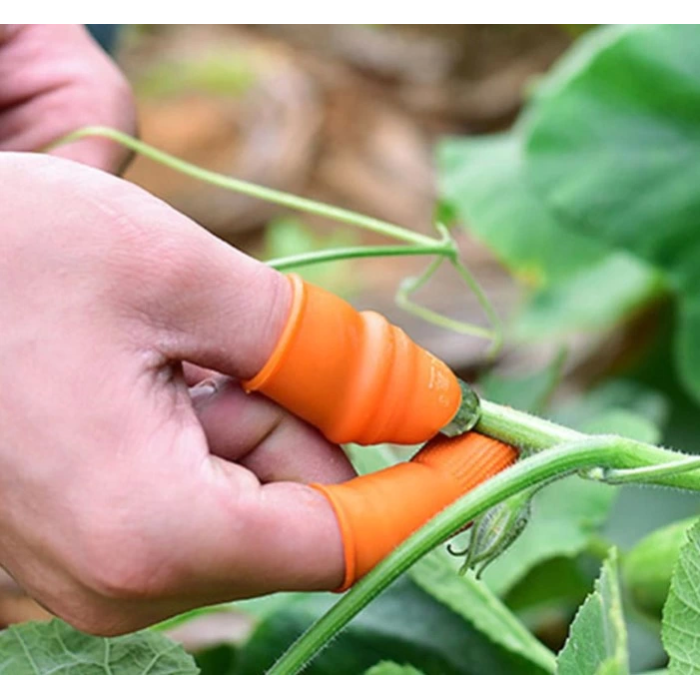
column 379, row 511
column 354, row 376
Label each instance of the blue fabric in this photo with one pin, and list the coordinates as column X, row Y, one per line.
column 105, row 35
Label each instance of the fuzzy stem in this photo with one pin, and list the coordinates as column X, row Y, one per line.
column 418, row 244
column 321, row 256
column 533, row 470
column 577, row 452
column 523, row 430
column 485, row 303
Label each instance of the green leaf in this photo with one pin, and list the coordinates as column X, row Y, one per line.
column 566, row 515
column 404, row 624
column 597, row 297
column 583, row 284
column 557, row 584
column 648, row 567
column 474, row 601
column 615, row 397
column 481, row 177
column 613, row 143
column 681, row 616
column 613, row 147
column 597, row 643
column 55, row 648
column 389, row 668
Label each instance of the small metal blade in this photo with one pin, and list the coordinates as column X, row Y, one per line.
column 468, row 414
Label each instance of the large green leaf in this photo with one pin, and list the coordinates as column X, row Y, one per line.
column 614, row 139
column 681, row 616
column 593, row 299
column 613, row 148
column 583, row 284
column 482, row 179
column 597, row 643
column 55, row 648
column 404, row 624
column 476, row 603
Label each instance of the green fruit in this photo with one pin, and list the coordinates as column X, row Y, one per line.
column 648, row 567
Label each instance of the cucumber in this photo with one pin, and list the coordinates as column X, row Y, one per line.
column 648, row 566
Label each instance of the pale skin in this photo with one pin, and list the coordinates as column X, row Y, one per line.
column 133, row 483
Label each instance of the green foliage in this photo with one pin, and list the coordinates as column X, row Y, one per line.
column 56, row 649
column 592, row 195
column 556, row 586
column 389, row 668
column 475, row 602
column 608, row 144
column 582, row 284
column 613, row 397
column 611, row 146
column 649, row 565
column 597, row 644
column 681, row 615
column 566, row 517
column 591, row 201
column 405, row 625
column 480, row 177
column 225, row 73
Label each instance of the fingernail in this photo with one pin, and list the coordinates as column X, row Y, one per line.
column 203, row 392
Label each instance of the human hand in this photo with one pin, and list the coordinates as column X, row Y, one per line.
column 125, row 497
column 54, row 79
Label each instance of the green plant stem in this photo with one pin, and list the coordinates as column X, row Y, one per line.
column 558, row 450
column 541, row 467
column 485, row 303
column 522, row 429
column 646, row 463
column 565, row 451
column 321, row 256
column 412, row 284
column 417, row 244
column 248, row 188
column 646, row 474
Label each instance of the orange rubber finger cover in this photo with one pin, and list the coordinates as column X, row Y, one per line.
column 379, row 511
column 355, row 376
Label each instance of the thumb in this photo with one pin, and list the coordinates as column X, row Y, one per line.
column 351, row 374
column 206, row 302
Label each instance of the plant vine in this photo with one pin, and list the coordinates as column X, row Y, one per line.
column 553, row 450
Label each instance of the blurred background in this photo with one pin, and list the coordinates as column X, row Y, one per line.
column 346, row 114
column 352, row 115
